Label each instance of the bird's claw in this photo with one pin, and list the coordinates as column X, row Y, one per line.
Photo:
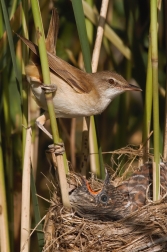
column 49, row 88
column 57, row 148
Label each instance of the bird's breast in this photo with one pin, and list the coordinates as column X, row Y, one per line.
column 67, row 102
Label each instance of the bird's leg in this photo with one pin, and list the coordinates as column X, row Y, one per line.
column 57, row 148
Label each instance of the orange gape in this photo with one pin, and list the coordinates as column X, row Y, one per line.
column 113, row 203
column 90, row 189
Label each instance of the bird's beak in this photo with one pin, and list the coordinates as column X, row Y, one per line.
column 134, row 88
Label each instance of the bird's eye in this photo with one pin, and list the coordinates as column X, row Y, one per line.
column 104, row 198
column 111, row 81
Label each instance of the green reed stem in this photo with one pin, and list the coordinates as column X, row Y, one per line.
column 46, row 80
column 154, row 61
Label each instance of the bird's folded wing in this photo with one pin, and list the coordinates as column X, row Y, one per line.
column 73, row 76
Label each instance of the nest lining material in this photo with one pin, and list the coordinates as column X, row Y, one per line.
column 143, row 230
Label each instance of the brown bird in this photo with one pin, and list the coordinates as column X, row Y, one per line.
column 75, row 93
column 116, row 202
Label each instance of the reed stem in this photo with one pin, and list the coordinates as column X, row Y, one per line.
column 154, row 62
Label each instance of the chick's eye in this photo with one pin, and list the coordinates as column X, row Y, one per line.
column 111, row 81
column 104, row 198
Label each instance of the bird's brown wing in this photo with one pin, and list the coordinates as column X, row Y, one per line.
column 73, row 76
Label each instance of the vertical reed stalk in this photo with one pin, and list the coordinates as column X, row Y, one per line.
column 154, row 61
column 95, row 153
column 46, row 80
column 37, row 215
column 165, row 127
column 4, row 225
column 8, row 152
column 23, row 63
column 85, row 144
column 89, row 25
column 25, row 205
column 148, row 100
column 148, row 108
column 7, row 132
column 80, row 22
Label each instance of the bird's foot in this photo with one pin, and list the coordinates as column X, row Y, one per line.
column 57, row 149
column 49, row 88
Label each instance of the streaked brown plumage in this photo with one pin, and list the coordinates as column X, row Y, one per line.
column 113, row 203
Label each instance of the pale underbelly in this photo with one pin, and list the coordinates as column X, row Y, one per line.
column 69, row 104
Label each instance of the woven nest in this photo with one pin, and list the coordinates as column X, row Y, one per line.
column 143, row 230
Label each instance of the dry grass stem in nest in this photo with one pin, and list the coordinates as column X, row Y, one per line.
column 125, row 158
